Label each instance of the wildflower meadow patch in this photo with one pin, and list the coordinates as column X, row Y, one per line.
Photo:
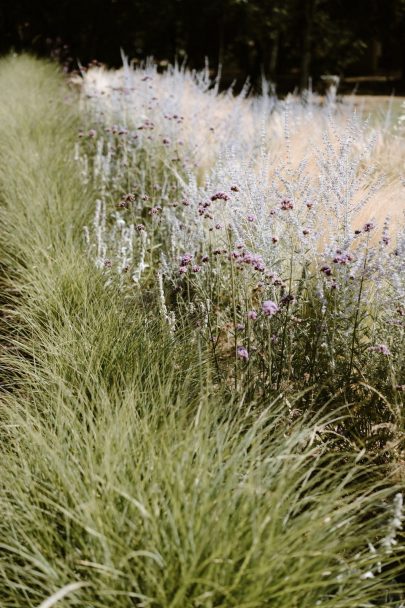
column 202, row 331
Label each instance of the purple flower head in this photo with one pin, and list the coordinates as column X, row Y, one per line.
column 239, row 327
column 155, row 210
column 220, row 196
column 242, row 353
column 251, row 218
column 326, row 270
column 140, row 227
column 247, row 257
column 342, row 258
column 274, row 239
column 382, row 349
column 289, row 298
column 368, row 227
column 269, row 308
column 286, row 205
column 196, row 268
column 251, row 314
column 186, row 259
column 234, row 188
column 205, row 258
column 182, row 269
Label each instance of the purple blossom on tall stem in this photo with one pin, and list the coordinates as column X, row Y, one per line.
column 186, row 259
column 252, row 315
column 269, row 308
column 326, row 270
column 242, row 353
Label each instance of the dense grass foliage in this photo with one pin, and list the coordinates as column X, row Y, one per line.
column 131, row 474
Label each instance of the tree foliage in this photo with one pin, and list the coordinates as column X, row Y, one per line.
column 248, row 37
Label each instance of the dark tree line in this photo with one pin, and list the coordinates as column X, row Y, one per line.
column 284, row 39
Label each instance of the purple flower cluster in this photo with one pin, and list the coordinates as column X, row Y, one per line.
column 381, row 348
column 186, row 259
column 202, row 209
column 155, row 210
column 251, row 259
column 269, row 308
column 286, row 205
column 125, row 201
column 342, row 258
column 368, row 227
column 220, row 196
column 242, row 353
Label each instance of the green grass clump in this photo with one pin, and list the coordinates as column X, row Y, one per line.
column 127, row 476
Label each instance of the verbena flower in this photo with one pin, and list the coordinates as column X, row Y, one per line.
column 242, row 353
column 381, row 348
column 220, row 196
column 269, row 308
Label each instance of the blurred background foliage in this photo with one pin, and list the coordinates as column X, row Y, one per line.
column 286, row 40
